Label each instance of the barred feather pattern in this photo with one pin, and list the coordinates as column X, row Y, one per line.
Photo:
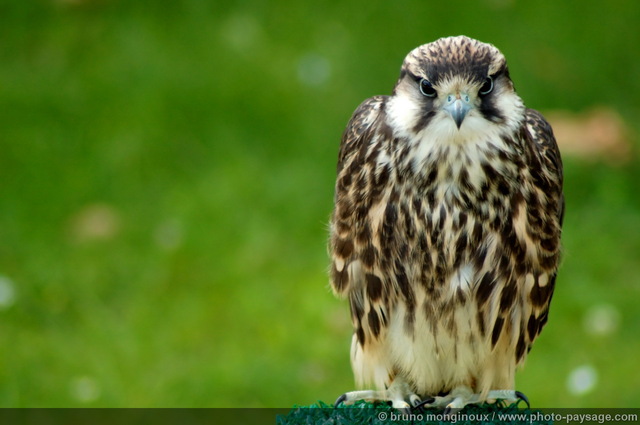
column 446, row 244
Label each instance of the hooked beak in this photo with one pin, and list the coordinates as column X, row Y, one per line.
column 458, row 106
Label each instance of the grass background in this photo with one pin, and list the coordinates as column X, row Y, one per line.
column 166, row 176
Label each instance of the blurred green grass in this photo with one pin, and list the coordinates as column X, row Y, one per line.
column 166, row 176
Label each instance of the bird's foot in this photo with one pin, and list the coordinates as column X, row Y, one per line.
column 399, row 394
column 462, row 396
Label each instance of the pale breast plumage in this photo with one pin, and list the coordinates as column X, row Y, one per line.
column 445, row 240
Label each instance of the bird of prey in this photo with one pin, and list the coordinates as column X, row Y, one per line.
column 445, row 236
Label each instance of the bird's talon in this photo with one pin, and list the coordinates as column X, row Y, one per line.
column 414, row 400
column 340, row 400
column 521, row 397
column 424, row 402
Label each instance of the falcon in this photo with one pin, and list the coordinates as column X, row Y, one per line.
column 445, row 236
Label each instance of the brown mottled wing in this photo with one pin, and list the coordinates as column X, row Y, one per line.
column 358, row 186
column 359, row 130
column 550, row 176
column 545, row 211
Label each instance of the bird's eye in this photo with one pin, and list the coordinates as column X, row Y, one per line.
column 426, row 88
column 486, row 87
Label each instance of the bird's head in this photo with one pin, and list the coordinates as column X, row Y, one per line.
column 455, row 85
